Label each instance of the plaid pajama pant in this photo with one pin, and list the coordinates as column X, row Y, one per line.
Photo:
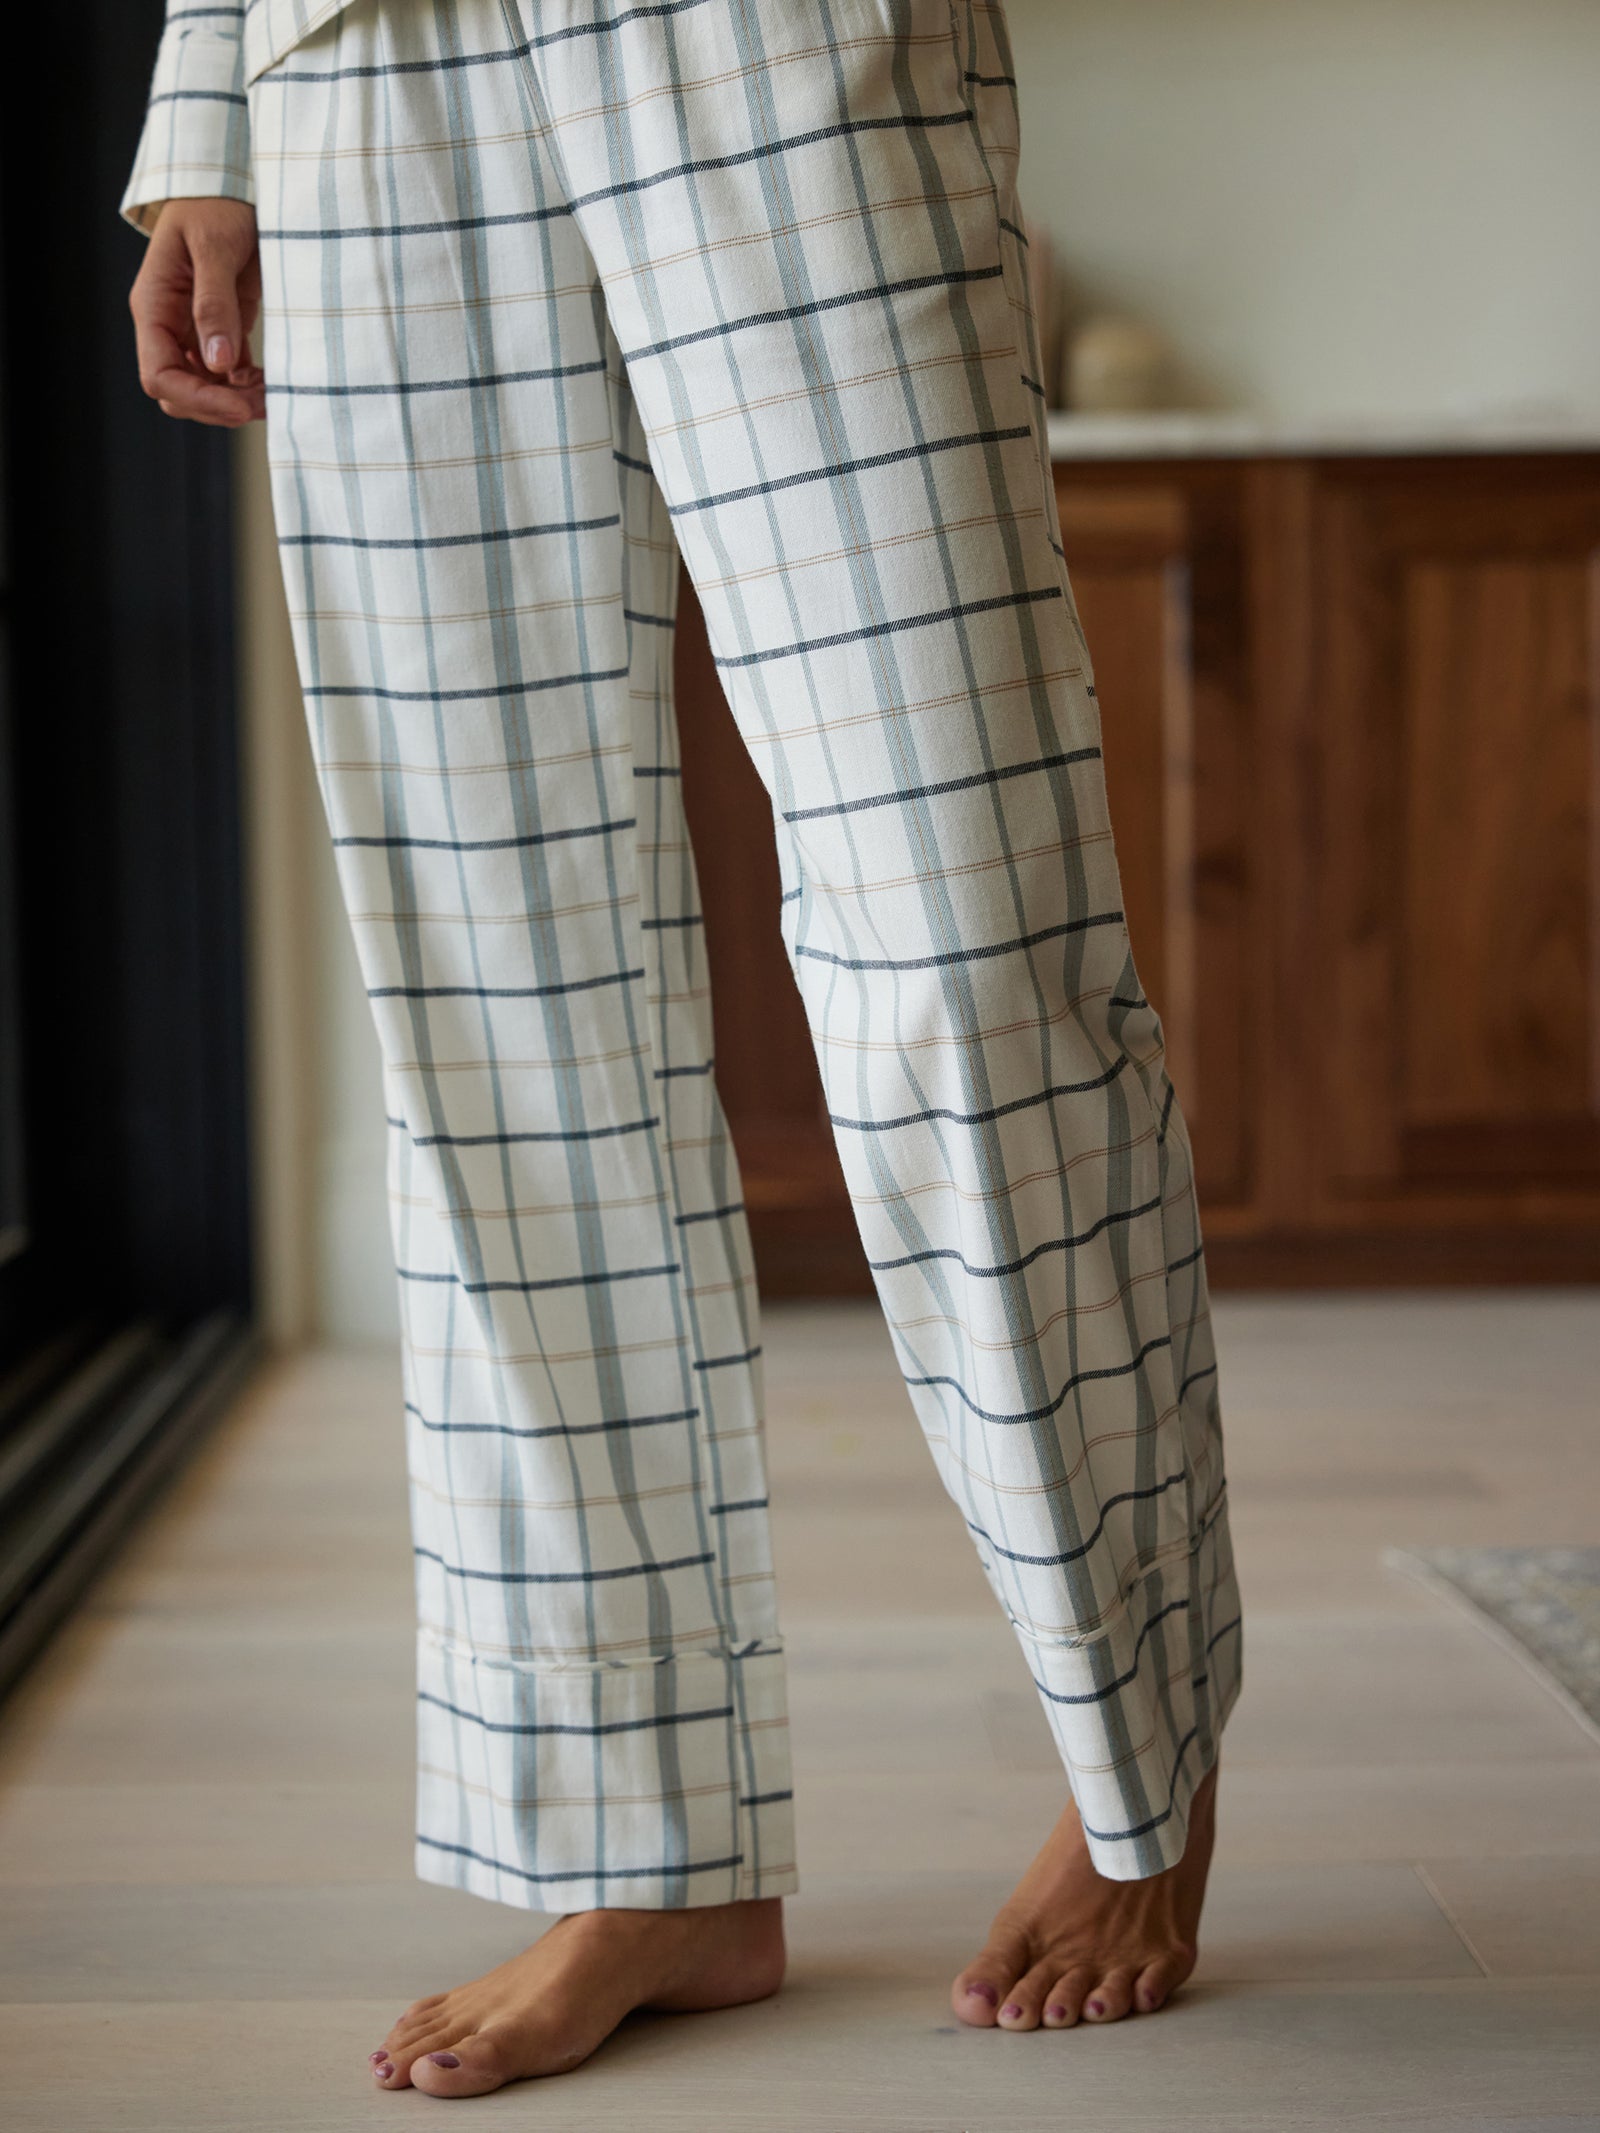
column 554, row 290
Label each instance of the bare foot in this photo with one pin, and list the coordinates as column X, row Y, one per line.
column 1070, row 1945
column 547, row 2009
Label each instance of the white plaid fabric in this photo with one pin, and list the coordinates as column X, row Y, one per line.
column 552, row 292
column 196, row 138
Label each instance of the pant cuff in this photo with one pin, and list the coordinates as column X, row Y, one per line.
column 654, row 1786
column 1137, row 1711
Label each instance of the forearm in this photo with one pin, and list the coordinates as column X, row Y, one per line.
column 196, row 138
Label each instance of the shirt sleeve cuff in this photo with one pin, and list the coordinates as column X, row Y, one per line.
column 196, row 138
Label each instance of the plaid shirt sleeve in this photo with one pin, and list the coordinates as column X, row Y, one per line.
column 196, row 138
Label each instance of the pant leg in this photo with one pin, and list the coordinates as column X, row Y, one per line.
column 482, row 575
column 804, row 213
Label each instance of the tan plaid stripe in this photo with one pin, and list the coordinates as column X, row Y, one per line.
column 768, row 255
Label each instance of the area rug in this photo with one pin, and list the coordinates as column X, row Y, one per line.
column 1543, row 1602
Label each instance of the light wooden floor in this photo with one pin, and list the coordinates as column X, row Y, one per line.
column 204, row 1793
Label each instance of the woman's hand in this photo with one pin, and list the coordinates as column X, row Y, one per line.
column 193, row 306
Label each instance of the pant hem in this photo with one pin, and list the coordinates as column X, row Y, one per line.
column 1138, row 1709
column 576, row 1787
column 478, row 1878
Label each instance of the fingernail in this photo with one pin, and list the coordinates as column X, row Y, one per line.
column 1012, row 2009
column 1097, row 2007
column 981, row 1991
column 444, row 2058
column 219, row 353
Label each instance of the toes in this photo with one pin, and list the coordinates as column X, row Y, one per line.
column 1111, row 1998
column 395, row 2066
column 400, row 2047
column 984, row 1987
column 975, row 1996
column 417, row 2020
column 469, row 2068
column 1159, row 1980
column 1063, row 2003
column 1023, row 2005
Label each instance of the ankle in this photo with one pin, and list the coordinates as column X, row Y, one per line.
column 754, row 1923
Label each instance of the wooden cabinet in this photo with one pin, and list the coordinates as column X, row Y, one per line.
column 1456, row 704
column 1352, row 729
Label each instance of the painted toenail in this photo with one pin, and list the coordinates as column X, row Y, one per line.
column 383, row 2072
column 1097, row 2007
column 376, row 2058
column 444, row 2058
column 980, row 1991
column 1011, row 2010
column 1059, row 2013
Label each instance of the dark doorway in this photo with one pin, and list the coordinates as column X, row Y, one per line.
column 124, row 1230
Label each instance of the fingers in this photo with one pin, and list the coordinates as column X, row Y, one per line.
column 218, row 324
column 177, row 392
column 191, row 303
column 182, row 385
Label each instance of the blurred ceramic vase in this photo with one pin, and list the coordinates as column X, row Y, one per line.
column 1115, row 365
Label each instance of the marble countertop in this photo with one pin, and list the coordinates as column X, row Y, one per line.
column 1198, row 434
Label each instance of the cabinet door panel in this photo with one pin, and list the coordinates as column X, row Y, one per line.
column 1460, row 720
column 1499, row 725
